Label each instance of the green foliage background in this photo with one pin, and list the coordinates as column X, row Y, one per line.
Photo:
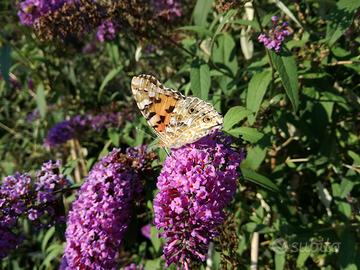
column 297, row 111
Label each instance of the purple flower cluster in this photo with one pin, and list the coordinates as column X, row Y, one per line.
column 195, row 185
column 276, row 36
column 168, row 9
column 31, row 10
column 13, row 198
column 106, row 31
column 72, row 128
column 49, row 180
column 100, row 215
column 20, row 196
column 104, row 120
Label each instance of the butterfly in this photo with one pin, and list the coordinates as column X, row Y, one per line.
column 176, row 119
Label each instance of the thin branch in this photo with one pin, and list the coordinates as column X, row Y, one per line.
column 74, row 157
column 346, row 62
column 13, row 132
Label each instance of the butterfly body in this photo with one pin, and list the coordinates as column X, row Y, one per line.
column 177, row 120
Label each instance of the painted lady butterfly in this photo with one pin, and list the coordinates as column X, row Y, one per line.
column 177, row 120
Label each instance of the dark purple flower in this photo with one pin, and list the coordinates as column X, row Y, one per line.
column 100, row 215
column 74, row 127
column 105, row 120
column 8, row 241
column 60, row 133
column 106, row 31
column 168, row 9
column 31, row 10
column 276, row 36
column 196, row 183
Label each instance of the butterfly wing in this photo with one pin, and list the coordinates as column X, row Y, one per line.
column 176, row 119
column 191, row 120
column 155, row 101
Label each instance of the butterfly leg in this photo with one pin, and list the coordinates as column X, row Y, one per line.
column 167, row 152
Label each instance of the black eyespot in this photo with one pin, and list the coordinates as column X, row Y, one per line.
column 206, row 119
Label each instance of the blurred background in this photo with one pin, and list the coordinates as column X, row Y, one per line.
column 285, row 75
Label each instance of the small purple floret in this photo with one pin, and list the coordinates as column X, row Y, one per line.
column 106, row 31
column 276, row 36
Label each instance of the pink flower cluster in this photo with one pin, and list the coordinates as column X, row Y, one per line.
column 195, row 185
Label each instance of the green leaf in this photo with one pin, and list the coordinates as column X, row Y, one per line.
column 286, row 66
column 340, row 18
column 200, row 79
column 202, row 31
column 223, row 53
column 253, row 24
column 5, row 62
column 155, row 240
column 255, row 156
column 216, row 260
column 234, row 116
column 248, row 134
column 114, row 137
column 355, row 157
column 288, row 12
column 344, row 208
column 279, row 260
column 153, row 264
column 113, row 51
column 50, row 232
column 259, row 179
column 40, row 100
column 105, row 149
column 201, row 11
column 256, row 90
column 111, row 75
column 345, row 187
column 304, row 254
column 52, row 254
